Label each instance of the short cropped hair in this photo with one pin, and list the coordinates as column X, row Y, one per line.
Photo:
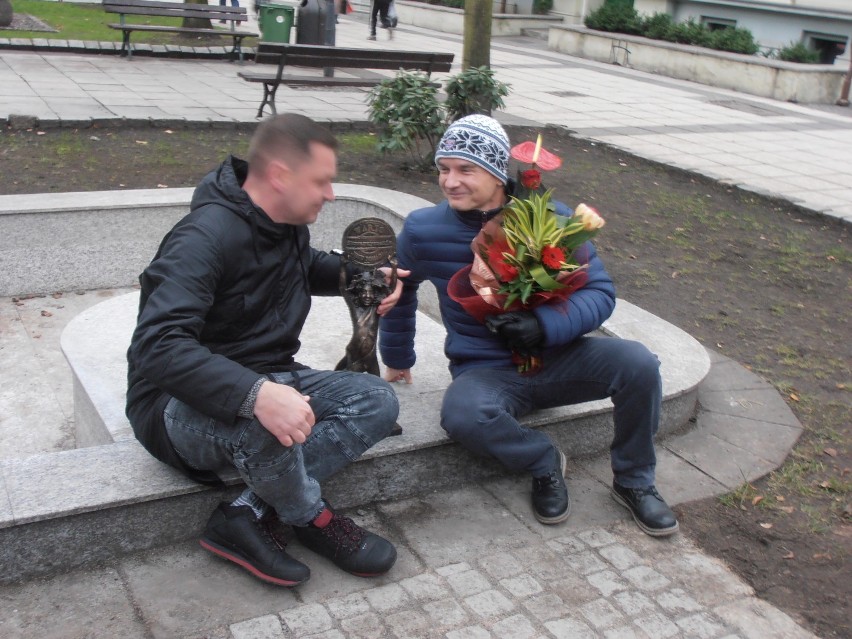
column 286, row 137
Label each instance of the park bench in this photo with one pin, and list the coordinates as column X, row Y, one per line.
column 330, row 57
column 232, row 15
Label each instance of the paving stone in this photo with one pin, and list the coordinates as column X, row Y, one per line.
column 366, row 626
column 634, row 603
column 501, row 565
column 452, row 569
column 570, row 629
column 625, row 632
column 266, row 627
column 601, row 613
column 756, row 619
column 574, row 588
column 700, row 626
column 520, row 587
column 348, row 606
column 446, row 611
column 646, row 578
column 471, row 632
column 425, row 587
column 334, row 633
column 514, row 627
column 586, row 563
column 408, row 624
column 546, row 606
column 596, row 537
column 607, row 582
column 569, row 544
column 676, row 600
column 307, row 619
column 620, row 556
column 718, row 584
column 489, row 604
column 468, row 583
column 388, row 597
column 657, row 625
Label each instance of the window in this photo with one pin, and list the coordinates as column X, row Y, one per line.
column 715, row 24
column 828, row 45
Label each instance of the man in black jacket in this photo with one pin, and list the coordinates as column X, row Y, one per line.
column 212, row 380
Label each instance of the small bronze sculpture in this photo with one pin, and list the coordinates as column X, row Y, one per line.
column 368, row 243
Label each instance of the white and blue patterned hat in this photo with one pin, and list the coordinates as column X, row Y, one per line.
column 478, row 139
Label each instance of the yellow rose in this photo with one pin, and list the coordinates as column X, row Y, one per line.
column 589, row 217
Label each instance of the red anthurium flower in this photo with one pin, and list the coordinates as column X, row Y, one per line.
column 552, row 256
column 546, row 161
column 531, row 179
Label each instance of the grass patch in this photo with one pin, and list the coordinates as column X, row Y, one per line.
column 88, row 22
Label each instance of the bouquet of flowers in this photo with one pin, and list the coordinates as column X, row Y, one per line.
column 526, row 256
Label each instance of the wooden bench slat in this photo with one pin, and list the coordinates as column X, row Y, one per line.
column 193, row 30
column 156, row 8
column 212, row 14
column 330, row 57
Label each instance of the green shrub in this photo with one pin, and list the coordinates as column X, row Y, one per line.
column 542, row 7
column 617, row 18
column 474, row 90
column 733, row 39
column 688, row 32
column 409, row 117
column 798, row 52
column 660, row 26
column 406, row 111
column 656, row 26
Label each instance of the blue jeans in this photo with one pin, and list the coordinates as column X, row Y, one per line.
column 353, row 412
column 482, row 406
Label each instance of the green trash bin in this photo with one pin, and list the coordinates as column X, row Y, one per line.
column 275, row 22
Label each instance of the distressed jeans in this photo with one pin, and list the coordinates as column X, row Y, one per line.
column 482, row 406
column 353, row 412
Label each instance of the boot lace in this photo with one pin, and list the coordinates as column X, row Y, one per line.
column 343, row 533
column 546, row 481
column 272, row 532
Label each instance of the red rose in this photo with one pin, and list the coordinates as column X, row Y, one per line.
column 531, row 179
column 505, row 272
column 552, row 256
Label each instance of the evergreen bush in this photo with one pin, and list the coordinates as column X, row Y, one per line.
column 733, row 39
column 621, row 18
column 798, row 52
column 616, row 18
column 409, row 117
column 542, row 7
column 474, row 90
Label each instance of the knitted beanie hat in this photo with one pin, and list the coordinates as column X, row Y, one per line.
column 478, row 139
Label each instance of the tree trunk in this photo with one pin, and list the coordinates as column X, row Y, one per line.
column 5, row 13
column 197, row 23
column 477, row 34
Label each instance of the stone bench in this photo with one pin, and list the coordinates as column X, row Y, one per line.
column 109, row 496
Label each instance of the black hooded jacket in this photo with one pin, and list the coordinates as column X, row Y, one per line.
column 222, row 303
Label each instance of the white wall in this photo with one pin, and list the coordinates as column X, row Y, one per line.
column 774, row 23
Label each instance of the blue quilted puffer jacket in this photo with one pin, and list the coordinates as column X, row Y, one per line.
column 433, row 245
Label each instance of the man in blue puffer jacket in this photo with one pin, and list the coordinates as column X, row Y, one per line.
column 487, row 395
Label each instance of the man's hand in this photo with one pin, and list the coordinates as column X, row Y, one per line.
column 397, row 375
column 284, row 412
column 390, row 301
column 519, row 329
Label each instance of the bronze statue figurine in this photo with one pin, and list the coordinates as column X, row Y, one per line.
column 368, row 243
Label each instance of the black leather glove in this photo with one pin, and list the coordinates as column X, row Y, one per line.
column 519, row 329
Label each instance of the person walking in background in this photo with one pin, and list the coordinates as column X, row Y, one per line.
column 382, row 11
column 234, row 3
